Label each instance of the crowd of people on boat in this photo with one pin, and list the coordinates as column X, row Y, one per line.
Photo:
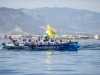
column 38, row 41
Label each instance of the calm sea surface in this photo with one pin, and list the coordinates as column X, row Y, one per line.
column 85, row 61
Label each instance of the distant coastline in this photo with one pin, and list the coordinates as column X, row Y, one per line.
column 63, row 36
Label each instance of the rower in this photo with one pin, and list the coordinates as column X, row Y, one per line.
column 39, row 42
column 48, row 43
column 32, row 43
column 55, row 43
column 29, row 41
column 61, row 41
column 51, row 40
column 37, row 39
column 24, row 42
column 16, row 43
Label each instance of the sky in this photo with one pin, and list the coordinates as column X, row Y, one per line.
column 92, row 5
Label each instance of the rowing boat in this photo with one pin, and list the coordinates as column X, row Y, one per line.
column 61, row 47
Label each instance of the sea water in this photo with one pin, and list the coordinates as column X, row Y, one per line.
column 85, row 61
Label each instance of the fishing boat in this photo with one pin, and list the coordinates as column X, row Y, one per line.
column 61, row 47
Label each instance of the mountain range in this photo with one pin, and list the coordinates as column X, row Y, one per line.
column 15, row 21
column 33, row 21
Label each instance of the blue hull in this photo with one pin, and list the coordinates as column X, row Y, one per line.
column 62, row 47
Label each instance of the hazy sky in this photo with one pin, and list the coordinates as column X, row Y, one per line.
column 93, row 5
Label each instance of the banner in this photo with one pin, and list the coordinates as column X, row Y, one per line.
column 50, row 31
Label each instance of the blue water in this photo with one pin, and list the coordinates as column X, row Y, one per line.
column 85, row 61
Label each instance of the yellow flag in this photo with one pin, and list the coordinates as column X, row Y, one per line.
column 50, row 31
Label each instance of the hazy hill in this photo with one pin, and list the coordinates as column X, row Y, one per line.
column 67, row 18
column 15, row 21
column 34, row 20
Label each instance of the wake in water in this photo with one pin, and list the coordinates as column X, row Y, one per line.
column 89, row 47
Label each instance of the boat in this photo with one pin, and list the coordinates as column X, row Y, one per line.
column 50, row 33
column 60, row 47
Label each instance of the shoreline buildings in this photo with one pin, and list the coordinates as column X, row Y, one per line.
column 63, row 36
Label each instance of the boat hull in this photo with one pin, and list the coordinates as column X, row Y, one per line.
column 61, row 47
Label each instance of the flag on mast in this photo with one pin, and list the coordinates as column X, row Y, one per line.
column 50, row 31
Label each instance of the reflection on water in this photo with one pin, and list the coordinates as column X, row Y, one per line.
column 49, row 61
